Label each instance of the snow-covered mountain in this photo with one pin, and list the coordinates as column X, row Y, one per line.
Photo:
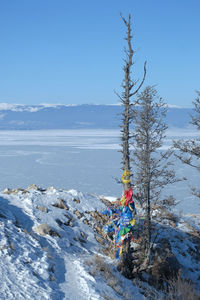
column 50, row 116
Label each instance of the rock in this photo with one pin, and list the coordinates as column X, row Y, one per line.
column 13, row 191
column 42, row 208
column 36, row 188
column 68, row 216
column 66, row 223
column 16, row 191
column 85, row 221
column 172, row 224
column 196, row 233
column 44, row 229
column 33, row 187
column 54, row 233
column 59, row 222
column 61, row 205
column 76, row 200
column 78, row 214
column 70, row 221
column 99, row 229
column 7, row 191
column 82, row 240
column 100, row 239
column 83, row 235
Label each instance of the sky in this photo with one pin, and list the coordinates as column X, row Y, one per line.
column 71, row 52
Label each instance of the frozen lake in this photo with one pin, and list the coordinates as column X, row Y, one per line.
column 85, row 160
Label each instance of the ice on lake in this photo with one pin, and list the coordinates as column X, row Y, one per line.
column 85, row 160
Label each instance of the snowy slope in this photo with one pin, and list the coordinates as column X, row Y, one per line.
column 53, row 266
column 60, row 261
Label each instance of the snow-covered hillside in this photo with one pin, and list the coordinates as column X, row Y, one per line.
column 50, row 265
column 57, row 116
column 51, row 247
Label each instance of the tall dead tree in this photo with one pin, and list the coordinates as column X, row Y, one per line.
column 129, row 90
column 152, row 171
column 189, row 151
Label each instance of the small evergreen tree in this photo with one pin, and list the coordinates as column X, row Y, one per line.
column 152, row 170
column 189, row 151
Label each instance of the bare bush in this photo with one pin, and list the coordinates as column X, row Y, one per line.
column 100, row 266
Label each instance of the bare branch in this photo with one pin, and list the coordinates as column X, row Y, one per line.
column 118, row 96
column 142, row 82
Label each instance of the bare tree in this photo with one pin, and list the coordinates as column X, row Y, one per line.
column 152, row 171
column 129, row 90
column 189, row 151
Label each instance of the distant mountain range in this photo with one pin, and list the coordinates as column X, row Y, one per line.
column 87, row 116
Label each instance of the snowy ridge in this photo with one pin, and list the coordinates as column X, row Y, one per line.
column 30, row 108
column 72, row 116
column 33, row 108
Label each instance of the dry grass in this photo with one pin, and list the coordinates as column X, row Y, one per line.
column 109, row 251
column 100, row 267
column 180, row 289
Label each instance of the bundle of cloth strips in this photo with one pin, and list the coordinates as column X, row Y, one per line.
column 123, row 222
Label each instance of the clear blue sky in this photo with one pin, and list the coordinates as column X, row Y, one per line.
column 62, row 51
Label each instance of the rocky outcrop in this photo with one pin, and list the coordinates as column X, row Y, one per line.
column 13, row 191
column 42, row 208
